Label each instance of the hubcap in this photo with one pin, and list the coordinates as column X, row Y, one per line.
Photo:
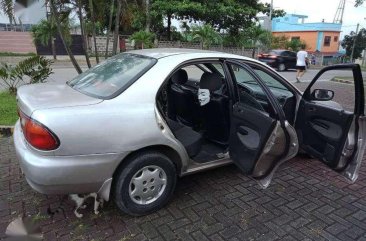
column 282, row 67
column 147, row 185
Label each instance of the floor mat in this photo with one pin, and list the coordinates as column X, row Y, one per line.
column 209, row 152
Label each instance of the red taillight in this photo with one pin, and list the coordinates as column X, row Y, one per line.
column 260, row 55
column 37, row 135
column 272, row 56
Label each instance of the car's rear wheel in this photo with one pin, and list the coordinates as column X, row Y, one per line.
column 281, row 67
column 145, row 184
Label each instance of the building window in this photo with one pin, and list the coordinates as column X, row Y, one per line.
column 295, row 38
column 327, row 40
column 335, row 38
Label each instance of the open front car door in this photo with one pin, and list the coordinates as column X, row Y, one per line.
column 260, row 137
column 330, row 133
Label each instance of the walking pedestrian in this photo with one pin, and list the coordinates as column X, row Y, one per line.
column 302, row 59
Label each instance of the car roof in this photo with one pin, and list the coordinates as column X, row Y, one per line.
column 159, row 53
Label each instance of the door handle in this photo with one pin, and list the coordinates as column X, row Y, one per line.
column 312, row 109
column 242, row 131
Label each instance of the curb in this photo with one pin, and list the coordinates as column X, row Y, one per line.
column 6, row 131
column 342, row 81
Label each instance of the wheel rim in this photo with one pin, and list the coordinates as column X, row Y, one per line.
column 147, row 185
column 282, row 67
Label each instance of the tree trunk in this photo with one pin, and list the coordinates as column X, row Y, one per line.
column 169, row 25
column 68, row 50
column 116, row 26
column 109, row 30
column 80, row 13
column 148, row 19
column 53, row 46
column 93, row 27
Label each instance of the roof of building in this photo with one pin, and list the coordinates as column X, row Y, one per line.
column 295, row 22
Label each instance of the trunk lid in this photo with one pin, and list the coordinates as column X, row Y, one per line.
column 45, row 96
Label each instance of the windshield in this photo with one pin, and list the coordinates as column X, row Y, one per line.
column 111, row 77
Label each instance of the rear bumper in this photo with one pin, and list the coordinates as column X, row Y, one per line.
column 65, row 174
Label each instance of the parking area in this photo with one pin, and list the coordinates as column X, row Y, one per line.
column 306, row 201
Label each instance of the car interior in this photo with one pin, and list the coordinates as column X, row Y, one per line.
column 195, row 104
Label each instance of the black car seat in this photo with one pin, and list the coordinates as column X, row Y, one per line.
column 190, row 139
column 215, row 113
column 182, row 100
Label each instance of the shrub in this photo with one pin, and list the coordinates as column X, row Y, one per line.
column 36, row 68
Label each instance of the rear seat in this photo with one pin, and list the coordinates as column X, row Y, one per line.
column 190, row 139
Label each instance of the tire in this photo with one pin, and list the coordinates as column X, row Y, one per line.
column 281, row 67
column 124, row 197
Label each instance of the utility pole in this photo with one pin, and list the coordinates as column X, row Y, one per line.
column 354, row 42
column 270, row 16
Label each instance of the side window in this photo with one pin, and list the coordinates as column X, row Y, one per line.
column 340, row 82
column 271, row 82
column 249, row 91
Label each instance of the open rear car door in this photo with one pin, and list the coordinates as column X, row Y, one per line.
column 260, row 140
column 327, row 131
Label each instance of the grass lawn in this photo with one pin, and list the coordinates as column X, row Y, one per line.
column 8, row 109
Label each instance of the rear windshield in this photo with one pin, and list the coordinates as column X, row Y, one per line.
column 111, row 77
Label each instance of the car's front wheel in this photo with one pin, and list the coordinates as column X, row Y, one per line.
column 145, row 184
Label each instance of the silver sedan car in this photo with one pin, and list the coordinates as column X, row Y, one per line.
column 127, row 128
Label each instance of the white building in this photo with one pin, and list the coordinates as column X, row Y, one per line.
column 27, row 12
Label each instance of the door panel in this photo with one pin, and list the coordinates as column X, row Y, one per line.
column 250, row 130
column 259, row 140
column 330, row 133
column 323, row 130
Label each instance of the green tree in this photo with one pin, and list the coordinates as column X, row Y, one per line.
column 110, row 19
column 359, row 2
column 257, row 37
column 46, row 32
column 207, row 35
column 91, row 8
column 295, row 44
column 79, row 6
column 116, row 26
column 56, row 15
column 7, row 8
column 360, row 44
column 143, row 39
column 37, row 68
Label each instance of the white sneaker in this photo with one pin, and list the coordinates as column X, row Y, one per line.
column 297, row 80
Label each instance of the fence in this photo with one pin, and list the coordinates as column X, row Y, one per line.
column 189, row 45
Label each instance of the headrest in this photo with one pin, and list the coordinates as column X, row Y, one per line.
column 180, row 77
column 211, row 81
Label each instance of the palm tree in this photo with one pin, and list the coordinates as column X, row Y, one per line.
column 82, row 30
column 91, row 7
column 44, row 32
column 7, row 8
column 109, row 29
column 143, row 39
column 207, row 35
column 116, row 26
column 259, row 37
column 55, row 14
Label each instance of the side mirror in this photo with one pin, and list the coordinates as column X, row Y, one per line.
column 322, row 95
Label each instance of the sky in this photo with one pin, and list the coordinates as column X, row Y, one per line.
column 324, row 9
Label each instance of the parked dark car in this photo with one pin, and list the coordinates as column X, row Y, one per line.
column 279, row 59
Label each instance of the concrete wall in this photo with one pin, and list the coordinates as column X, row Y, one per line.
column 16, row 42
column 315, row 40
